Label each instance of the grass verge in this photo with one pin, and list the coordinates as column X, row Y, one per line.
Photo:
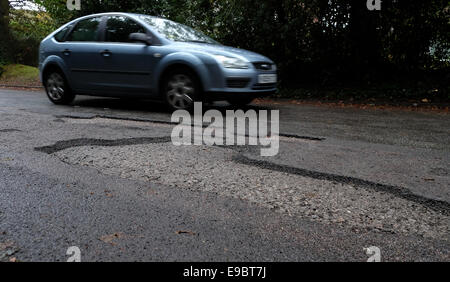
column 19, row 75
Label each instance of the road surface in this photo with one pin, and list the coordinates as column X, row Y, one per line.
column 103, row 175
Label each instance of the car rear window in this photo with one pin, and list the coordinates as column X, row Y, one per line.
column 62, row 34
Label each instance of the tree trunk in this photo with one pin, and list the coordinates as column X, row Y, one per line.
column 363, row 37
column 4, row 17
column 5, row 36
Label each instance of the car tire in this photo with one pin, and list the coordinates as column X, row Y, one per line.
column 240, row 101
column 57, row 89
column 181, row 89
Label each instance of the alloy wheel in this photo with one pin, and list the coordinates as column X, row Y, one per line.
column 180, row 91
column 55, row 86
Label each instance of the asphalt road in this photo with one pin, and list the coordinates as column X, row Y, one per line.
column 103, row 175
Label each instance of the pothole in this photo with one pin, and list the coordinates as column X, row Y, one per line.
column 210, row 169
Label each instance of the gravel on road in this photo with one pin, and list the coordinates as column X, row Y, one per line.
column 212, row 169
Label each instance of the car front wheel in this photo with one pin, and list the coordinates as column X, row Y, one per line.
column 181, row 90
column 57, row 89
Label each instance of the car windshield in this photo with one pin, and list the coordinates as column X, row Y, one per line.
column 177, row 32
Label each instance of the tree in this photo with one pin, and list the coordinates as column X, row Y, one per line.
column 312, row 41
column 5, row 37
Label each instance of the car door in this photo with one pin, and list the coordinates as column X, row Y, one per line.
column 128, row 65
column 81, row 52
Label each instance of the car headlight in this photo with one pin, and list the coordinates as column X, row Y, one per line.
column 231, row 63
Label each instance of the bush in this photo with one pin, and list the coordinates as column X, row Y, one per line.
column 28, row 28
column 27, row 51
column 337, row 43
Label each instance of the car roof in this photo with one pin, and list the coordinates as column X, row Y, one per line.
column 134, row 15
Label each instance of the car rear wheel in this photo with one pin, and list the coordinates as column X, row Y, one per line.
column 57, row 89
column 181, row 90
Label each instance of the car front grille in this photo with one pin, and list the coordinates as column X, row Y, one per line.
column 237, row 82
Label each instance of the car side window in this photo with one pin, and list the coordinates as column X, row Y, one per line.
column 62, row 34
column 85, row 30
column 119, row 28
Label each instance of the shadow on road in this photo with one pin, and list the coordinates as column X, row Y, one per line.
column 139, row 105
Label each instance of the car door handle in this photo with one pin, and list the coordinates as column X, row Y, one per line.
column 106, row 53
column 66, row 52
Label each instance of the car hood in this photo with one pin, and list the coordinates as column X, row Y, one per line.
column 213, row 49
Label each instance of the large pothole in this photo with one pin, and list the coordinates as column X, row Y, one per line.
column 213, row 169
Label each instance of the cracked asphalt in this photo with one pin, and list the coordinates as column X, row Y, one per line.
column 103, row 175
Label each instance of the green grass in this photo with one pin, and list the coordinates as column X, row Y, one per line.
column 19, row 75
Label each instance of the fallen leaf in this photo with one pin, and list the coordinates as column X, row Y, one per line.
column 110, row 238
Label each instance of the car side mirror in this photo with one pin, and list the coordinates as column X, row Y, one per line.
column 141, row 37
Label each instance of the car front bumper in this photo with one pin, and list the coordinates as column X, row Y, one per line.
column 237, row 82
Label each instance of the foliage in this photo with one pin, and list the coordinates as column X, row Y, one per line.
column 31, row 24
column 317, row 42
column 27, row 29
column 57, row 9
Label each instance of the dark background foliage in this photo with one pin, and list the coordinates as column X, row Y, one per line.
column 315, row 43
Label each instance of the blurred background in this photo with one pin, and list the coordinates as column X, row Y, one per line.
column 325, row 50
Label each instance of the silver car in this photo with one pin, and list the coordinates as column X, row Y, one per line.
column 133, row 55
